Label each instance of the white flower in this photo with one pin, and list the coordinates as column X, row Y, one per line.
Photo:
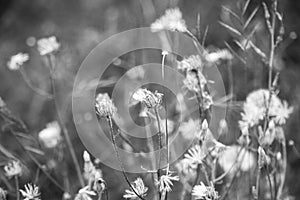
column 171, row 20
column 51, row 135
column 195, row 156
column 234, row 157
column 12, row 169
column 165, row 182
column 256, row 105
column 192, row 62
column 16, row 61
column 31, row 192
column 2, row 103
column 3, row 194
column 151, row 100
column 84, row 194
column 47, row 45
column 203, row 192
column 223, row 54
column 139, row 188
column 104, row 106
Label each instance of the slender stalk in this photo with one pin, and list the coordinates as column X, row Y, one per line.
column 160, row 146
column 256, row 195
column 283, row 173
column 17, row 187
column 32, row 87
column 64, row 129
column 272, row 49
column 119, row 158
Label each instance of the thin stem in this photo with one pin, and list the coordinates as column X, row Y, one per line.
column 64, row 129
column 160, row 145
column 17, row 187
column 256, row 195
column 283, row 173
column 272, row 50
column 119, row 158
column 32, row 87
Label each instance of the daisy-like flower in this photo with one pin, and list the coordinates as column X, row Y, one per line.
column 48, row 45
column 193, row 62
column 195, row 156
column 203, row 192
column 3, row 194
column 51, row 135
column 16, row 61
column 150, row 99
column 104, row 105
column 85, row 194
column 256, row 105
column 12, row 169
column 171, row 20
column 139, row 188
column 165, row 182
column 31, row 192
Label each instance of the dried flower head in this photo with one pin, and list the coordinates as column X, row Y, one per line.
column 51, row 135
column 3, row 194
column 171, row 20
column 31, row 192
column 195, row 156
column 104, row 105
column 139, row 188
column 85, row 194
column 165, row 182
column 203, row 192
column 13, row 168
column 150, row 99
column 256, row 106
column 16, row 61
column 47, row 45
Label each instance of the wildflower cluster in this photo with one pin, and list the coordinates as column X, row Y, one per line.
column 204, row 192
column 13, row 168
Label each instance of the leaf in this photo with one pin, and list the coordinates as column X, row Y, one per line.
column 250, row 17
column 236, row 54
column 5, row 152
column 245, row 7
column 205, row 35
column 258, row 50
column 34, row 150
column 230, row 28
column 232, row 13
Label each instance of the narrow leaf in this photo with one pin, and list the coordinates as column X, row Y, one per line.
column 258, row 50
column 5, row 152
column 235, row 53
column 34, row 150
column 205, row 35
column 246, row 6
column 250, row 17
column 231, row 13
column 230, row 28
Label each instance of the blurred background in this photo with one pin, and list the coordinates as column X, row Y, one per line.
column 80, row 25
